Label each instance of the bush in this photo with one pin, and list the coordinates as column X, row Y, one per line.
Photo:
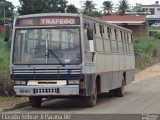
column 157, row 35
column 147, row 51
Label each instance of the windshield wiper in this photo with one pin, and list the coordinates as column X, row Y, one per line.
column 56, row 57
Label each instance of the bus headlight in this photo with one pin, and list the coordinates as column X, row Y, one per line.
column 20, row 82
column 73, row 82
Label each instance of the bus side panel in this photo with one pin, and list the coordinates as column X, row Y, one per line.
column 108, row 75
column 111, row 80
column 105, row 82
column 115, row 71
column 100, row 62
column 115, row 80
column 112, row 76
column 130, row 74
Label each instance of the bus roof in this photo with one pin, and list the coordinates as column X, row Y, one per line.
column 71, row 15
column 49, row 14
column 104, row 22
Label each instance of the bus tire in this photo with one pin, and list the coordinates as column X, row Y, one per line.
column 91, row 101
column 120, row 91
column 35, row 101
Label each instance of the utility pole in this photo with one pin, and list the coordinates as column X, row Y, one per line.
column 81, row 4
column 4, row 12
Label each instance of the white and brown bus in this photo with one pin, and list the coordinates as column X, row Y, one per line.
column 61, row 54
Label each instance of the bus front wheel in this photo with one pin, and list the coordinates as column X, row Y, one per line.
column 91, row 101
column 35, row 101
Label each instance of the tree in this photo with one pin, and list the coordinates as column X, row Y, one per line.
column 107, row 6
column 71, row 9
column 62, row 5
column 41, row 6
column 137, row 8
column 53, row 6
column 8, row 7
column 89, row 8
column 30, row 7
column 123, row 7
column 97, row 13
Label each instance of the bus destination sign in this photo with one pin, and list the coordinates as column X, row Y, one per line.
column 47, row 21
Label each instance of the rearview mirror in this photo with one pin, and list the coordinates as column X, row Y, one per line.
column 90, row 34
column 6, row 32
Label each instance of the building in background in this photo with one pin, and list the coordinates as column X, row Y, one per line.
column 153, row 9
column 135, row 23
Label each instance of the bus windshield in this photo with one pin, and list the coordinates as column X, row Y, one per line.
column 47, row 46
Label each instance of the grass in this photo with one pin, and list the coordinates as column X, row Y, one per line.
column 9, row 101
column 153, row 28
column 6, row 88
column 147, row 51
column 7, row 97
column 4, row 57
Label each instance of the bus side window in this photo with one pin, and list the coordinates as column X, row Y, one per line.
column 115, row 34
column 131, row 38
column 123, row 44
column 128, row 42
column 126, row 46
column 107, row 43
column 121, row 35
column 98, row 39
column 101, row 30
column 105, row 33
column 109, row 32
column 116, row 37
column 95, row 28
column 114, row 42
column 120, row 42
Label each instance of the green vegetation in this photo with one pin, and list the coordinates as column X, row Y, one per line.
column 5, row 82
column 9, row 10
column 153, row 28
column 107, row 6
column 45, row 6
column 157, row 35
column 9, row 101
column 123, row 7
column 147, row 51
column 12, row 101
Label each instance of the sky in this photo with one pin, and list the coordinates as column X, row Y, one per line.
column 78, row 3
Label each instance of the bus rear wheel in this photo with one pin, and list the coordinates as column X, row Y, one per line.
column 112, row 93
column 35, row 101
column 120, row 91
column 91, row 101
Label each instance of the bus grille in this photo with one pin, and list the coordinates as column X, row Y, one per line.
column 46, row 90
column 46, row 74
column 46, row 71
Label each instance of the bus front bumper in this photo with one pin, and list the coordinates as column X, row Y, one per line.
column 46, row 90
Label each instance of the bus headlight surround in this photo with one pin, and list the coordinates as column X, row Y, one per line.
column 20, row 82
